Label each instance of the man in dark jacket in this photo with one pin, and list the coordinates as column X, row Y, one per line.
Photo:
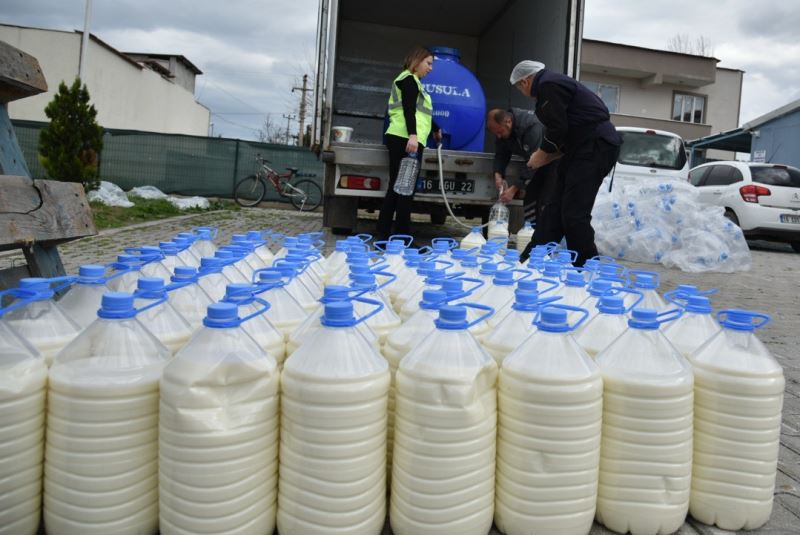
column 519, row 133
column 580, row 135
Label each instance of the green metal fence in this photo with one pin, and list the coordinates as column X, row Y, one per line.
column 174, row 163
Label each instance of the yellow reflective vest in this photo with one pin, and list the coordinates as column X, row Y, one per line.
column 423, row 115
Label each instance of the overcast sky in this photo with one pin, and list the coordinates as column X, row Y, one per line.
column 252, row 52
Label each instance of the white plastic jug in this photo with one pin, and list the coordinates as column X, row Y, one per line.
column 262, row 247
column 333, row 431
column 498, row 230
column 307, row 271
column 459, row 291
column 694, row 328
column 384, row 321
column 101, row 458
column 295, row 286
column 596, row 290
column 211, row 278
column 501, row 294
column 338, row 258
column 517, row 325
column 151, row 258
column 244, row 260
column 413, row 284
column 738, row 398
column 127, row 270
column 646, row 451
column 550, row 397
column 393, row 250
column 218, row 433
column 405, row 273
column 82, row 300
column 184, row 241
column 646, row 282
column 524, row 236
column 41, row 321
column 188, row 297
column 268, row 338
column 204, row 246
column 23, row 388
column 474, row 239
column 230, row 266
column 432, row 278
column 312, row 323
column 573, row 290
column 443, row 462
column 170, row 260
column 606, row 325
column 285, row 314
column 251, row 246
column 163, row 320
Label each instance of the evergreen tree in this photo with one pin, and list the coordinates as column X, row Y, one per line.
column 70, row 145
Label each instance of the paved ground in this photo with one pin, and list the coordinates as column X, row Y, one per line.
column 772, row 286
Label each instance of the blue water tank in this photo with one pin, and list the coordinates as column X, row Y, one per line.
column 459, row 105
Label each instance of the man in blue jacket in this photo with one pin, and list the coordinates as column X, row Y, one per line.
column 579, row 133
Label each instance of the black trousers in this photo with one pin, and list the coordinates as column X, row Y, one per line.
column 568, row 210
column 394, row 204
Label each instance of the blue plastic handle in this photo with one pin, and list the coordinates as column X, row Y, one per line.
column 477, row 306
column 378, row 308
column 390, row 276
column 617, row 290
column 551, row 282
column 764, row 318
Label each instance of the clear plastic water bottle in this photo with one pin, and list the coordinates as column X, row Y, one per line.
column 407, row 175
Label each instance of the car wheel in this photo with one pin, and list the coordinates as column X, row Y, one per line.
column 796, row 246
column 732, row 216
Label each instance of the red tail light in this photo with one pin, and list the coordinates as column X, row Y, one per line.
column 751, row 192
column 360, row 182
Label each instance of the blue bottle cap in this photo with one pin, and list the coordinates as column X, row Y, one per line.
column 91, row 271
column 646, row 281
column 644, row 318
column 575, row 279
column 342, row 246
column 204, row 233
column 504, row 278
column 452, row 317
column 222, row 316
column 528, row 285
column 553, row 320
column 453, row 286
column 254, row 235
column 150, row 284
column 210, row 263
column 436, row 274
column 169, row 248
column 238, row 290
column 128, row 259
column 476, row 230
column 338, row 314
column 38, row 286
column 184, row 274
column 432, row 299
column 270, row 275
column 335, row 293
column 742, row 320
column 599, row 286
column 512, row 255
column 411, row 252
column 116, row 305
column 611, row 304
column 564, row 257
column 488, row 268
column 698, row 304
column 552, row 269
column 525, row 299
column 363, row 280
column 395, row 247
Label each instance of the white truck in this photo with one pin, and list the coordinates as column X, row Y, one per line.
column 360, row 49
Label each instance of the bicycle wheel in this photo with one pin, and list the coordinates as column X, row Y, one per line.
column 305, row 195
column 249, row 191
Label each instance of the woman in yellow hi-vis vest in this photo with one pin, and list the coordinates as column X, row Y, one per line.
column 410, row 124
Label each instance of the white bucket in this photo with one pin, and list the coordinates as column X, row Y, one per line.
column 342, row 134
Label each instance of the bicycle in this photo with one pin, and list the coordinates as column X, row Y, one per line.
column 305, row 195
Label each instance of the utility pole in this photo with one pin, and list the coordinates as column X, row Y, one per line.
column 289, row 118
column 87, row 21
column 303, row 91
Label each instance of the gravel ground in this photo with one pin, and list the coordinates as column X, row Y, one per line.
column 770, row 286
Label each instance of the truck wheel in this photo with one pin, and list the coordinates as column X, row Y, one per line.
column 732, row 216
column 796, row 246
column 438, row 216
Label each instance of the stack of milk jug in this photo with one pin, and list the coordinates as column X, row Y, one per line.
column 195, row 388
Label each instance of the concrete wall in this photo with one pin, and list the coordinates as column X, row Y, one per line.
column 125, row 95
column 780, row 139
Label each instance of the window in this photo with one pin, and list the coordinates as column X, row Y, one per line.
column 776, row 176
column 723, row 175
column 697, row 176
column 648, row 149
column 688, row 108
column 609, row 94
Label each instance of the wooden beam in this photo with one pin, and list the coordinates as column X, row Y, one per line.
column 42, row 211
column 20, row 74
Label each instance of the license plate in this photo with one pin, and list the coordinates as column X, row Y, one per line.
column 790, row 218
column 451, row 185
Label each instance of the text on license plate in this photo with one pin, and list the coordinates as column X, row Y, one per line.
column 451, row 185
column 790, row 218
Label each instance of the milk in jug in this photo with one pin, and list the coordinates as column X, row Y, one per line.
column 295, row 286
column 265, row 334
column 443, row 462
column 501, row 294
column 517, row 325
column 184, row 241
column 646, row 282
column 405, row 273
column 605, row 326
column 101, row 457
column 573, row 291
column 239, row 253
column 187, row 296
column 338, row 258
column 152, row 261
column 23, row 388
column 457, row 293
column 414, row 284
column 218, row 432
column 127, row 270
column 262, row 247
column 595, row 291
column 384, row 321
column 82, row 300
column 473, row 240
column 285, row 314
column 646, row 451
column 253, row 260
column 694, row 328
column 229, row 266
column 41, row 321
column 540, row 286
column 431, row 278
column 550, row 409
column 306, row 272
column 312, row 323
column 738, row 398
column 163, row 320
column 170, row 251
column 333, row 432
column 524, row 236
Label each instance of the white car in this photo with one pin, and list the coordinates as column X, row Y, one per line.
column 648, row 153
column 762, row 198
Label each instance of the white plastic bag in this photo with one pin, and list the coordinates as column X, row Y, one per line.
column 148, row 192
column 110, row 195
column 184, row 203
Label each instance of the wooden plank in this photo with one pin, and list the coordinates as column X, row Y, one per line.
column 42, row 211
column 20, row 74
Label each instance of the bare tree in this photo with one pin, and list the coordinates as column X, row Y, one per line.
column 270, row 132
column 700, row 46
